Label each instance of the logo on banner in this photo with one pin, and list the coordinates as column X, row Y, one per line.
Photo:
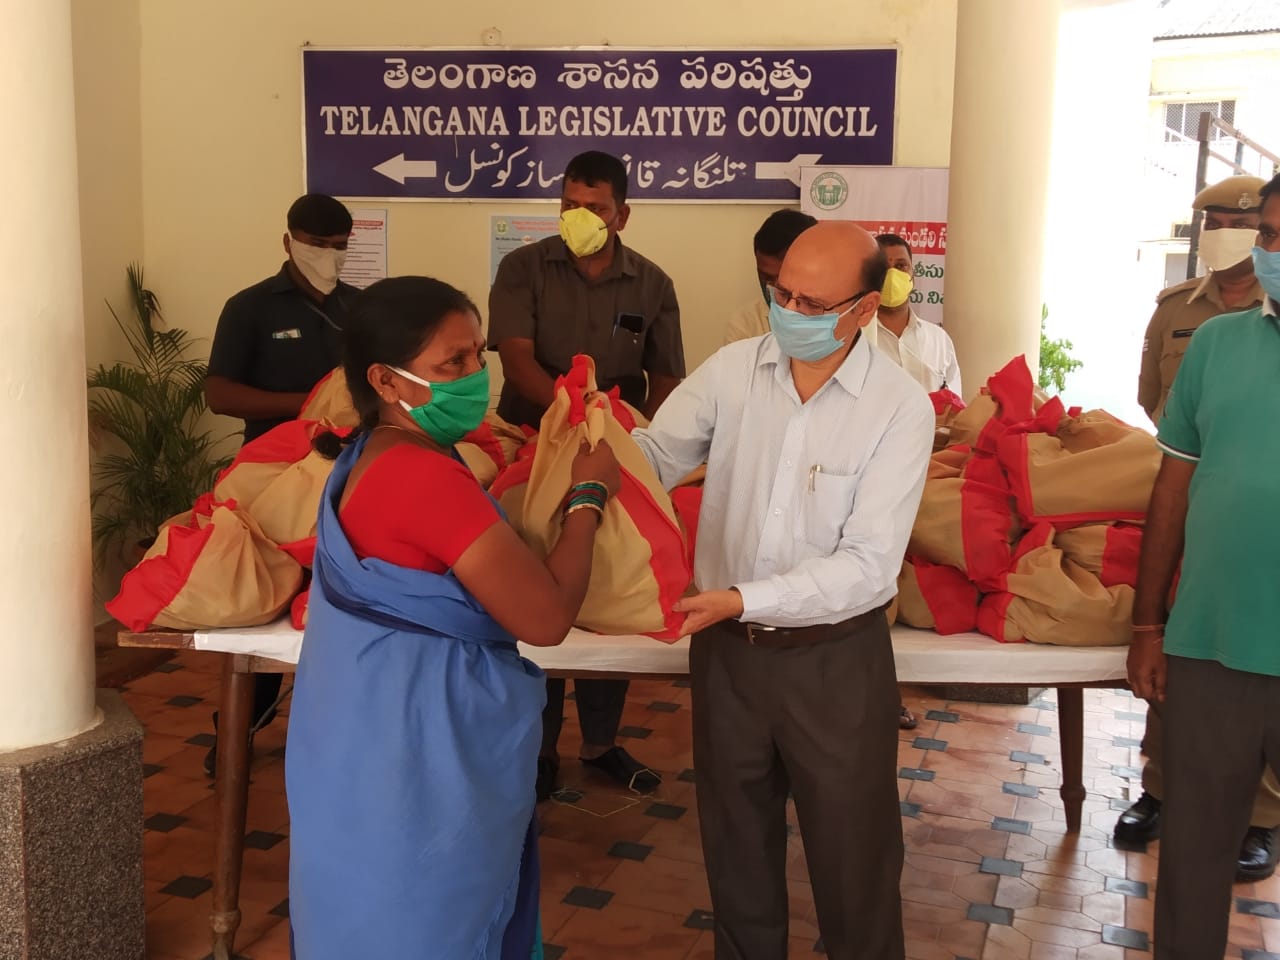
column 829, row 190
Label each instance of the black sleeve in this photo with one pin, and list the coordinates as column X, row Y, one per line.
column 231, row 355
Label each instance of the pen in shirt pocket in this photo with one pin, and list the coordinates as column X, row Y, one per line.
column 813, row 476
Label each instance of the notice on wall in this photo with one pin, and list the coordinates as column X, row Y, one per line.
column 506, row 233
column 501, row 124
column 908, row 201
column 367, row 249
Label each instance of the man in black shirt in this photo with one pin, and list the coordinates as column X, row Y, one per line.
column 276, row 339
column 274, row 342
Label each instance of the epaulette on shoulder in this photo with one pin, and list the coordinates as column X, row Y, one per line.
column 1186, row 286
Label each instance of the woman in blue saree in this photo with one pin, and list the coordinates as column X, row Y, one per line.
column 415, row 724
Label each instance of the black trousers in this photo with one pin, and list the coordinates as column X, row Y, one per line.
column 266, row 687
column 599, row 703
column 1222, row 727
column 819, row 721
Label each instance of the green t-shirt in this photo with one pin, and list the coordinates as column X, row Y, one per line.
column 1223, row 414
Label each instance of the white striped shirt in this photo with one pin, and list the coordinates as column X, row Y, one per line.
column 806, row 508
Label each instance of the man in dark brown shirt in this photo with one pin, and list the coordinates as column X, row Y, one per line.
column 584, row 292
column 549, row 303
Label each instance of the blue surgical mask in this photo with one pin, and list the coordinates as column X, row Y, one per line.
column 1266, row 267
column 804, row 337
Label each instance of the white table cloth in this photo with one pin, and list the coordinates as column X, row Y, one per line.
column 922, row 656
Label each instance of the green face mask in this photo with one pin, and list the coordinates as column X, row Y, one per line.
column 455, row 409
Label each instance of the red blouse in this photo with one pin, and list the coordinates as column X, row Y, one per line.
column 416, row 508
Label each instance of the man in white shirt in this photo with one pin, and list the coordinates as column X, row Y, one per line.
column 770, row 245
column 921, row 348
column 816, row 448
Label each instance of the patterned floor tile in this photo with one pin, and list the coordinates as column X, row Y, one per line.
column 589, row 897
column 635, row 862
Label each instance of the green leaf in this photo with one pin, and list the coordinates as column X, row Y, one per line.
column 144, row 417
column 1055, row 358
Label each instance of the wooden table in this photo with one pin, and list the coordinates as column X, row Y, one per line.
column 236, row 707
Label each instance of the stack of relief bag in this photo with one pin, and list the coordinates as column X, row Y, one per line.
column 1031, row 520
column 242, row 555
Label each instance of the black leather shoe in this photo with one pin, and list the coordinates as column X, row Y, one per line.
column 626, row 770
column 1141, row 822
column 906, row 719
column 548, row 777
column 1257, row 855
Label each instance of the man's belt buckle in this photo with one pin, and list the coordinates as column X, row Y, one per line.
column 754, row 628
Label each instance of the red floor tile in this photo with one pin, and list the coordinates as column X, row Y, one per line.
column 1059, row 902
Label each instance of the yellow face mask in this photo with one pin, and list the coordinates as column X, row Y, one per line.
column 896, row 289
column 582, row 231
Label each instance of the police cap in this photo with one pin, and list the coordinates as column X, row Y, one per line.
column 1232, row 195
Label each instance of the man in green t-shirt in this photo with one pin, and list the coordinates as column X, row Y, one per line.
column 1231, row 209
column 1215, row 666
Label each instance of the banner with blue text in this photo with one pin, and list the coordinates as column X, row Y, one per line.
column 500, row 124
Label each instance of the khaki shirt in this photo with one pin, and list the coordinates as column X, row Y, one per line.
column 749, row 320
column 627, row 320
column 1180, row 310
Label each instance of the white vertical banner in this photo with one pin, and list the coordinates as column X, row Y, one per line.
column 908, row 201
column 509, row 232
column 367, row 249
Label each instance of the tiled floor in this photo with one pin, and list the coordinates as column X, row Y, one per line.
column 990, row 870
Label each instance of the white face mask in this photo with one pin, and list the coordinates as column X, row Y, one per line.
column 1224, row 248
column 320, row 265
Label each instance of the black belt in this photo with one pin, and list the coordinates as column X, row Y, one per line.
column 759, row 635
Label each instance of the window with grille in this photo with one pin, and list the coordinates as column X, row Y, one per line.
column 1184, row 118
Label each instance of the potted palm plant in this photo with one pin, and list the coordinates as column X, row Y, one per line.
column 154, row 458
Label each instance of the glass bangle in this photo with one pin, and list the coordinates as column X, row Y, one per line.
column 587, row 506
column 589, row 486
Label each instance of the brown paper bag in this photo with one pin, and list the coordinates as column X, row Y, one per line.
column 330, row 400
column 933, row 596
column 1107, row 550
column 640, row 566
column 213, row 567
column 1112, row 481
column 1050, row 599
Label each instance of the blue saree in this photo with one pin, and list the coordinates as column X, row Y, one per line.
column 413, row 743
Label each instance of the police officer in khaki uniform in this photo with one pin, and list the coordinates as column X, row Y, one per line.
column 1230, row 225
column 1231, row 211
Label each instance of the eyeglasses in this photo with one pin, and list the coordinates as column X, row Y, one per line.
column 806, row 305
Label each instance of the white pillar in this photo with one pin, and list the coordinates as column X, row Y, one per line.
column 46, row 645
column 1000, row 135
column 1095, row 214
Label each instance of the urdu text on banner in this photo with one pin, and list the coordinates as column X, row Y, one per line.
column 501, row 124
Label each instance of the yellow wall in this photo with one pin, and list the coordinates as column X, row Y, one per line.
column 106, row 49
column 221, row 137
